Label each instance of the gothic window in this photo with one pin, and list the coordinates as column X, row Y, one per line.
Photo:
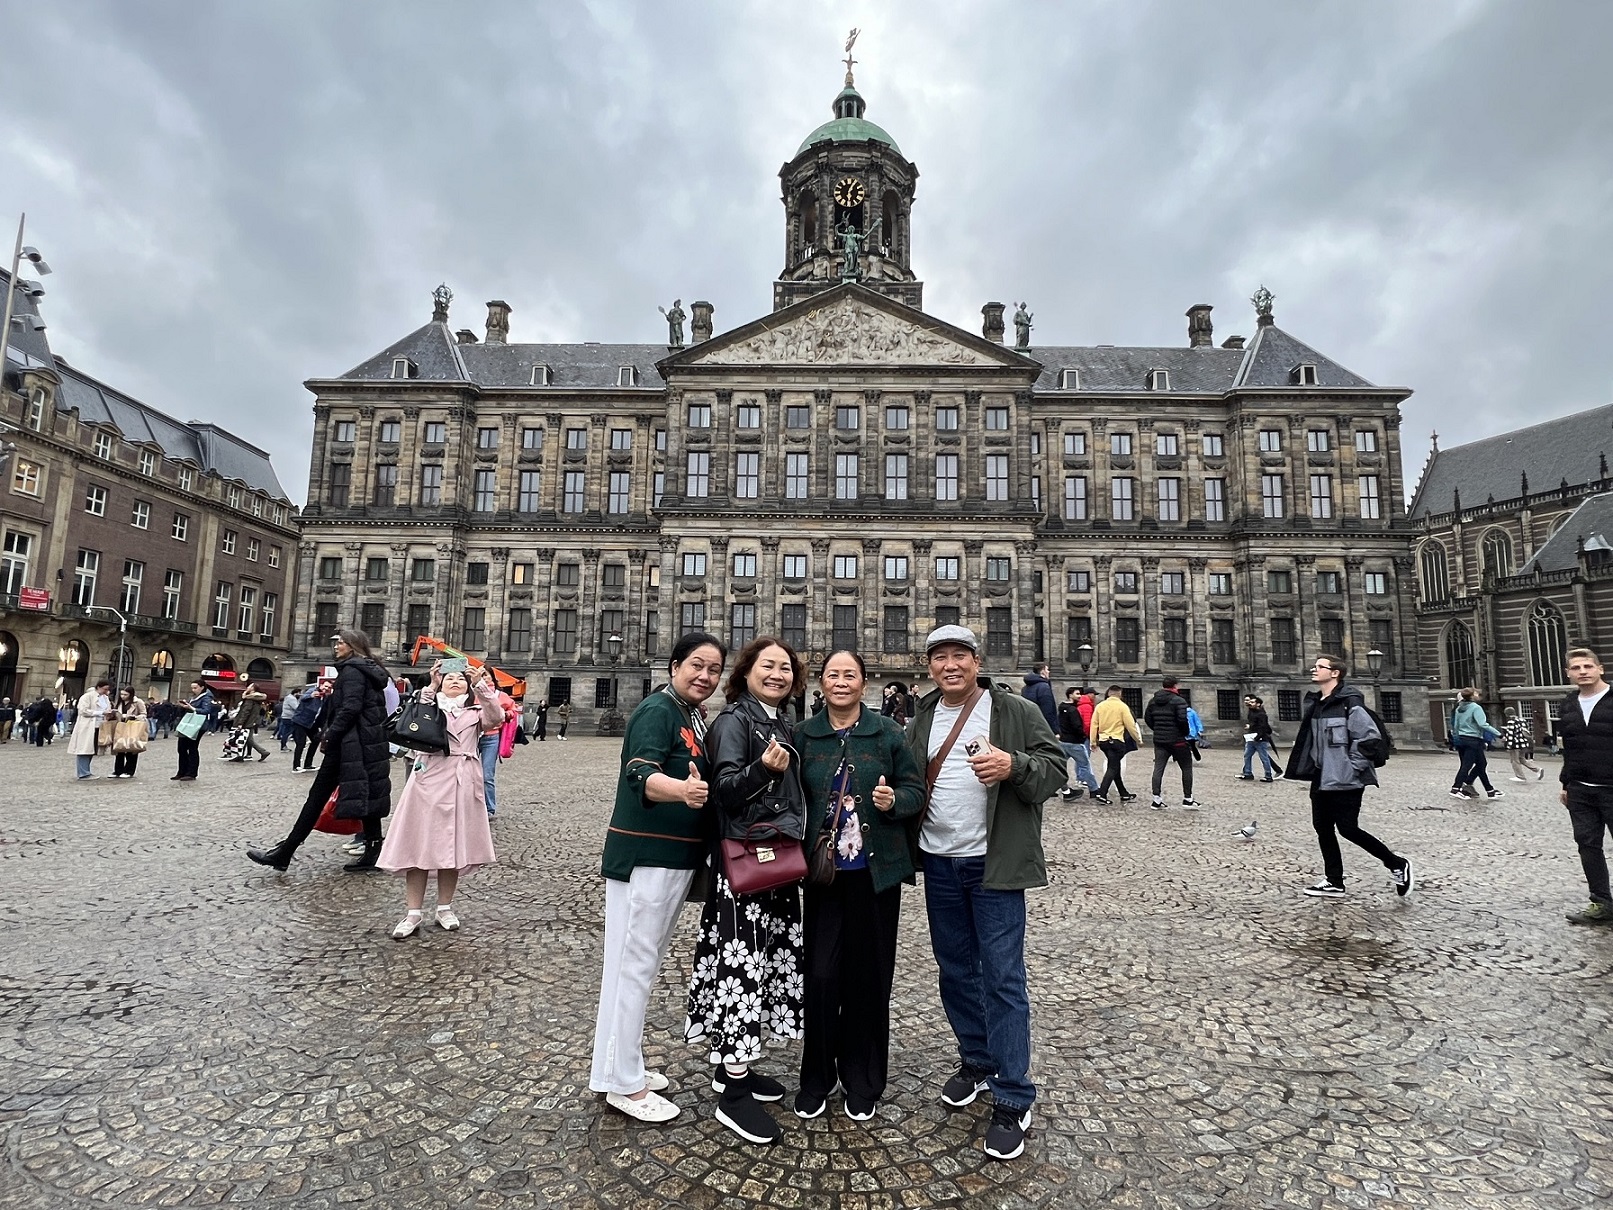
column 1436, row 577
column 1496, row 554
column 1548, row 645
column 1460, row 667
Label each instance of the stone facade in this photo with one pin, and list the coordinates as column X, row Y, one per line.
column 852, row 470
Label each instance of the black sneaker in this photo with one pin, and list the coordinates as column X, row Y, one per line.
column 1405, row 878
column 753, row 1082
column 1005, row 1139
column 809, row 1105
column 858, row 1109
column 965, row 1085
column 1495, row 794
column 1100, row 800
column 1157, row 803
column 1128, row 798
column 1268, row 780
column 744, row 1115
column 1248, row 777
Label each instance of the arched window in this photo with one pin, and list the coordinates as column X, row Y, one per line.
column 806, row 209
column 218, row 662
column 1436, row 573
column 1461, row 669
column 1548, row 645
column 260, row 670
column 162, row 665
column 1495, row 554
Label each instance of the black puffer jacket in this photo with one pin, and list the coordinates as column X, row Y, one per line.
column 355, row 735
column 1258, row 722
column 750, row 798
column 1587, row 747
column 1166, row 716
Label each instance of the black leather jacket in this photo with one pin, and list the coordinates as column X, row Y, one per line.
column 751, row 799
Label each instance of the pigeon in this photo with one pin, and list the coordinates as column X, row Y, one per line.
column 1249, row 832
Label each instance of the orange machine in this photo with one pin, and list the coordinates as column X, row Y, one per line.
column 515, row 686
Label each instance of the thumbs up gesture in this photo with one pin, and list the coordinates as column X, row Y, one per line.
column 695, row 788
column 884, row 796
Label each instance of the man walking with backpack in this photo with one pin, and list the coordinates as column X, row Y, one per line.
column 1337, row 748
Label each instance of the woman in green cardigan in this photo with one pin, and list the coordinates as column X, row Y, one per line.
column 657, row 839
column 861, row 779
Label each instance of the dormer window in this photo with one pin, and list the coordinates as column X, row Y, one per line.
column 103, row 445
column 1069, row 380
column 542, row 376
column 402, row 367
column 1303, row 375
column 627, row 376
column 1159, row 380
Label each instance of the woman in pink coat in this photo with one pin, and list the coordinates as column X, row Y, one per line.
column 440, row 822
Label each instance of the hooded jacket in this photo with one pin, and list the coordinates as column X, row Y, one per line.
column 1166, row 717
column 1327, row 747
column 355, row 734
column 1040, row 690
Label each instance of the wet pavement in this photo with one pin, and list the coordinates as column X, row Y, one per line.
column 179, row 1027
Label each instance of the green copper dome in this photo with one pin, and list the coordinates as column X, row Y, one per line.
column 849, row 126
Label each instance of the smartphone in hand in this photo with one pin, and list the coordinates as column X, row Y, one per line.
column 457, row 664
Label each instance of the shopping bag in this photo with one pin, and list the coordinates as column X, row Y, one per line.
column 129, row 736
column 328, row 822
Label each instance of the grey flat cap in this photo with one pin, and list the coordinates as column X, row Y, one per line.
column 952, row 634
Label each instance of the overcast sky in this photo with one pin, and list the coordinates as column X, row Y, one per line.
column 236, row 197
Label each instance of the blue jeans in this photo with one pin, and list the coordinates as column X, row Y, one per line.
column 1083, row 764
column 84, row 769
column 1250, row 748
column 978, row 936
column 489, row 749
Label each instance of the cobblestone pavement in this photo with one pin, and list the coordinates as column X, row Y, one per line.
column 179, row 1027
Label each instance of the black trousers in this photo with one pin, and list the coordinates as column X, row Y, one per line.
column 303, row 737
column 1183, row 756
column 1336, row 813
column 1590, row 810
column 190, row 756
column 124, row 763
column 850, row 961
column 326, row 779
column 1114, row 753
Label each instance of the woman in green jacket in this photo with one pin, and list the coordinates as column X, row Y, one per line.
column 861, row 779
column 656, row 841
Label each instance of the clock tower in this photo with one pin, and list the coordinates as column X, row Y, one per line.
column 848, row 205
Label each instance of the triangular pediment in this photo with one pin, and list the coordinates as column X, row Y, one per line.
column 850, row 326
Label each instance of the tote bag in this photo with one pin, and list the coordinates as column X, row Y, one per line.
column 191, row 725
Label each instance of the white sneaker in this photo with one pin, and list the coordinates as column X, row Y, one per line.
column 447, row 919
column 648, row 1108
column 1520, row 779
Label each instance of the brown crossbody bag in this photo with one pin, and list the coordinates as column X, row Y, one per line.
column 933, row 769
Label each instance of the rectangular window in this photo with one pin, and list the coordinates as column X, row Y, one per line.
column 691, row 616
column 257, row 506
column 1126, row 582
column 1166, row 445
column 181, row 527
column 996, row 476
column 748, row 416
column 523, row 573
column 798, row 416
column 391, row 432
column 848, row 418
column 375, row 570
column 36, row 411
column 95, row 501
column 1271, row 441
column 347, row 431
column 141, row 516
column 795, row 476
column 747, row 475
column 1288, row 705
column 699, row 415
column 658, row 488
column 221, row 605
column 1036, row 492
column 896, row 568
column 1381, row 635
column 999, row 570
column 613, row 575
column 741, row 625
column 529, row 492
column 946, row 419
column 431, row 483
column 845, row 567
column 1075, row 497
column 1367, row 486
column 371, row 620
column 85, row 573
column 697, row 474
column 1075, row 444
column 843, row 629
column 574, row 494
column 531, row 439
column 1120, row 443
column 569, row 575
column 423, row 571
column 1228, row 705
column 577, row 439
column 274, row 556
column 1128, row 644
column 1332, row 633
column 148, row 462
column 1271, row 495
column 486, row 490
column 621, row 492
column 565, row 632
column 133, row 574
column 946, row 567
column 1366, row 441
column 1220, row 583
column 1318, row 441
column 1321, row 496
column 418, row 623
column 1170, row 499
column 792, row 626
column 946, row 476
column 947, row 615
column 26, row 478
column 895, row 638
column 795, row 567
column 173, row 584
column 436, row 432
column 229, row 542
column 1223, row 641
column 1121, row 507
column 694, row 563
column 1280, row 582
column 475, row 573
column 1329, row 582
column 1172, row 583
column 1391, row 707
column 1078, row 580
column 621, row 439
column 1214, row 445
column 1375, row 584
column 1077, row 634
column 745, row 565
column 386, row 484
column 846, row 476
column 1215, row 499
column 996, row 420
column 330, row 567
column 103, row 445
column 487, row 438
column 896, row 476
column 246, row 615
column 652, row 633
column 325, row 623
column 1284, row 647
column 1173, row 634
column 896, row 419
column 185, row 478
column 341, row 479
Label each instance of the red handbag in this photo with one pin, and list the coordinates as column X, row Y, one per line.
column 328, row 821
column 762, row 863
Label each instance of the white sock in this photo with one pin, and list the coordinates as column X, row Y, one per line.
column 445, row 907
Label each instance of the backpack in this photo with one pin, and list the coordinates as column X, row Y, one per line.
column 1378, row 750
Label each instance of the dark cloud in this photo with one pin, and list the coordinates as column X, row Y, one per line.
column 237, row 197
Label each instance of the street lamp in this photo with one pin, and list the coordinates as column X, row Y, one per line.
column 123, row 630
column 1375, row 670
column 1084, row 654
column 610, row 723
column 18, row 255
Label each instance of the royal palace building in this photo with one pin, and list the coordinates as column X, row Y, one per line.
column 850, row 470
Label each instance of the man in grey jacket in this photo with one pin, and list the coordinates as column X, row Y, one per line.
column 1333, row 751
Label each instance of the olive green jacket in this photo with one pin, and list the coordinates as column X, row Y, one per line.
column 660, row 739
column 1014, row 858
column 876, row 747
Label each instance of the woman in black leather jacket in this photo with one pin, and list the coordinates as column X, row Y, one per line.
column 748, row 975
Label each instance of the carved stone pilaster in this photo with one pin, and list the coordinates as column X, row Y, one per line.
column 1197, row 565
column 921, row 398
column 871, row 397
column 773, row 396
column 823, row 395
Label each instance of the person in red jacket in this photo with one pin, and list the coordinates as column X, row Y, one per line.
column 1086, row 703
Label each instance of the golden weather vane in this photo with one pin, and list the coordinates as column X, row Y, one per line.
column 851, row 41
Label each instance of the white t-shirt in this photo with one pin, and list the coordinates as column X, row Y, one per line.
column 956, row 826
column 1587, row 704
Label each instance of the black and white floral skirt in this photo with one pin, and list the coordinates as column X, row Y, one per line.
column 747, row 979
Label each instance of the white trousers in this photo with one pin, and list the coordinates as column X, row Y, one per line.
column 640, row 916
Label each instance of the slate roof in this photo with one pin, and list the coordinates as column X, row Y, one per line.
column 1273, row 355
column 431, row 347
column 571, row 366
column 1570, row 447
column 1125, row 367
column 1591, row 523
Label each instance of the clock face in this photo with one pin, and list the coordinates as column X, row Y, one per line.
column 849, row 191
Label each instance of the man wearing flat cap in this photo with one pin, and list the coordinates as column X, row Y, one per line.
column 990, row 761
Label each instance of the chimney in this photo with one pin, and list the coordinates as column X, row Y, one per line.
column 1200, row 335
column 1232, row 342
column 700, row 325
column 465, row 336
column 498, row 322
column 992, row 327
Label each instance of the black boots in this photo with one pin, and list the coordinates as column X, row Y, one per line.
column 279, row 857
column 372, row 850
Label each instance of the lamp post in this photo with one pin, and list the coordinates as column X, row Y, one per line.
column 123, row 648
column 1084, row 654
column 1375, row 670
column 18, row 255
column 610, row 723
